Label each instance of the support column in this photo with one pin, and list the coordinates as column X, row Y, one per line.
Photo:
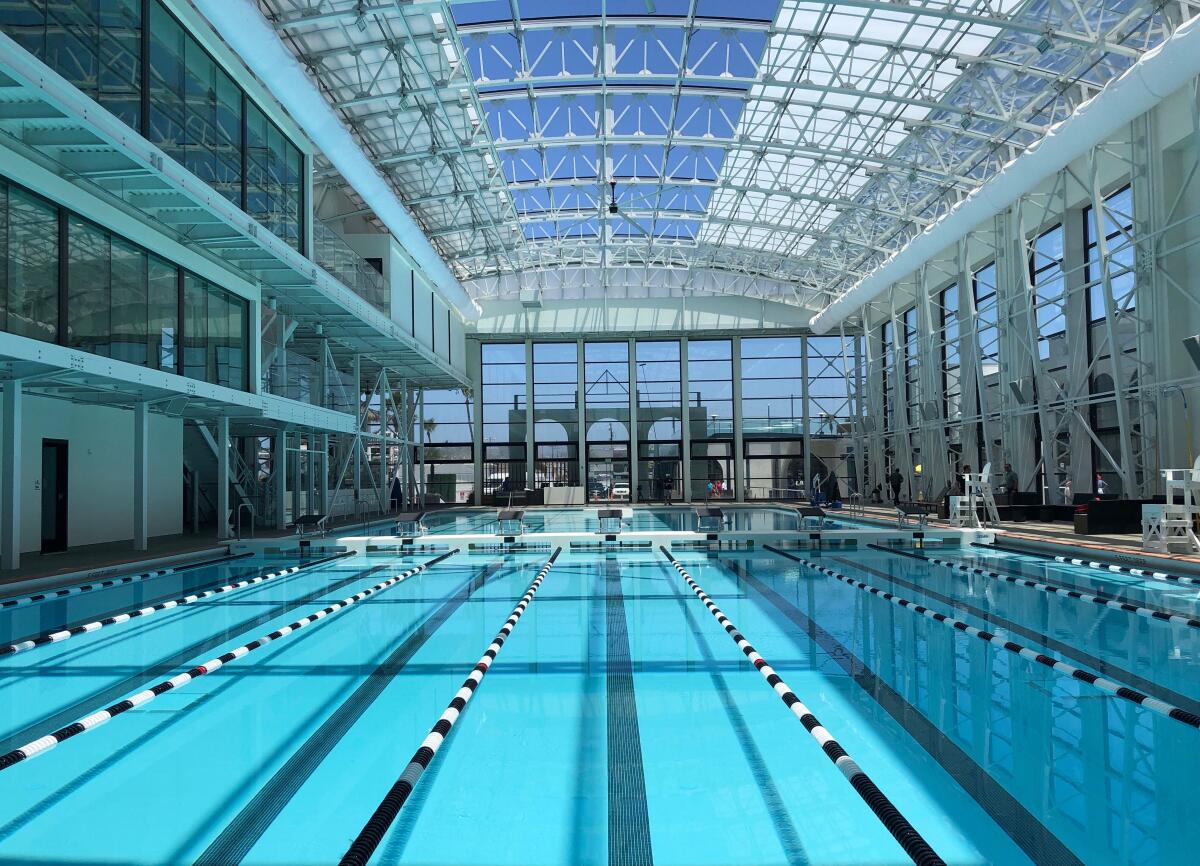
column 530, row 454
column 10, row 472
column 311, row 505
column 805, row 413
column 475, row 366
column 223, row 477
column 739, row 466
column 633, row 422
column 581, row 417
column 422, row 481
column 279, row 478
column 141, row 476
column 685, row 420
column 296, row 468
column 324, row 476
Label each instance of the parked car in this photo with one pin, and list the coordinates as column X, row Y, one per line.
column 620, row 490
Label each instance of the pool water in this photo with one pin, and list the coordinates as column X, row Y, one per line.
column 619, row 723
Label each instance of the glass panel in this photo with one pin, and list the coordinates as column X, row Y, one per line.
column 89, row 298
column 710, row 417
column 195, row 327
column 121, row 59
column 129, row 301
column 163, row 314
column 167, row 67
column 32, row 267
column 3, row 252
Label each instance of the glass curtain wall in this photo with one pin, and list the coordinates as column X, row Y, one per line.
column 449, row 454
column 555, row 423
column 773, row 416
column 987, row 336
column 177, row 96
column 710, row 418
column 659, row 421
column 504, row 425
column 831, row 375
column 606, row 421
column 122, row 302
column 951, row 373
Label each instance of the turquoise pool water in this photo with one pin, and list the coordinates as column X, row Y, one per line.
column 619, row 724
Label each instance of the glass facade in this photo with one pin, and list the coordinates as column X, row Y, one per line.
column 503, row 393
column 555, row 421
column 710, row 417
column 139, row 62
column 606, row 420
column 772, row 416
column 449, row 454
column 69, row 281
column 659, row 420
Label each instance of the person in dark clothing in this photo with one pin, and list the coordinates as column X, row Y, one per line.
column 896, row 481
column 396, row 494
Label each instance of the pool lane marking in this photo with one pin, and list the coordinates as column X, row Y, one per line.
column 244, row 831
column 628, row 818
column 1105, row 601
column 54, row 595
column 44, row 744
column 1023, row 828
column 902, row 831
column 1105, row 685
column 63, row 634
column 377, row 825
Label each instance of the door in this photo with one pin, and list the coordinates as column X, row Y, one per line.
column 54, row 495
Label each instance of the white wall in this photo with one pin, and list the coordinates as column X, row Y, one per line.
column 99, row 471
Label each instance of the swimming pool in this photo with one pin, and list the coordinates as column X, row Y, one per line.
column 619, row 723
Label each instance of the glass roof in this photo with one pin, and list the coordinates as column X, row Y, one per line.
column 792, row 143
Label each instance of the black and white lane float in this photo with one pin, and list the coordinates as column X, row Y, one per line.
column 61, row 634
column 1105, row 685
column 48, row 742
column 902, row 831
column 377, row 825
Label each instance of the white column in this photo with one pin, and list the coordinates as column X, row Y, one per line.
column 530, row 454
column 323, row 467
column 475, row 366
column 633, row 422
column 141, row 476
column 223, row 477
column 280, row 478
column 422, row 482
column 805, row 413
column 685, row 407
column 739, row 468
column 294, row 462
column 10, row 470
column 580, row 416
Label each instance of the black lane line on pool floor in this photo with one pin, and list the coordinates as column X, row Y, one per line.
column 1029, row 834
column 248, row 826
column 628, row 818
column 175, row 660
column 1108, row 669
column 785, row 829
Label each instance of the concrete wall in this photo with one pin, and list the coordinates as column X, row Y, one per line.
column 100, row 471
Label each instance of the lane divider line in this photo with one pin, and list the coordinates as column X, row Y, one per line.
column 44, row 744
column 377, row 825
column 53, row 595
column 62, row 634
column 1106, row 601
column 902, row 831
column 1124, row 569
column 1105, row 685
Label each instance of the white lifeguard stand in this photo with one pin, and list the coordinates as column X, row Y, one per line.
column 1172, row 525
column 964, row 510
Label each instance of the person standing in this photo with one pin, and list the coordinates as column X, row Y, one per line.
column 896, row 480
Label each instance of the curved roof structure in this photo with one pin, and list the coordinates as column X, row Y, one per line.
column 659, row 147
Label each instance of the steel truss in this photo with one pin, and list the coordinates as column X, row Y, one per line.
column 1095, row 382
column 803, row 150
